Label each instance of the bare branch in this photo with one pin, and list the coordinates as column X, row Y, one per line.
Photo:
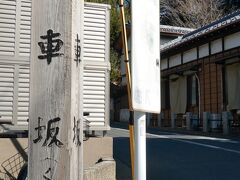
column 190, row 13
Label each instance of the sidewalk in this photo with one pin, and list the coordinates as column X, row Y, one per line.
column 7, row 150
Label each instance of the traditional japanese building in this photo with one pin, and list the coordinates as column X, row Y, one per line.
column 200, row 72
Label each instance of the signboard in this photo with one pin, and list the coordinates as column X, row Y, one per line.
column 146, row 56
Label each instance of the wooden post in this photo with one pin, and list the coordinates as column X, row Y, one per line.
column 55, row 133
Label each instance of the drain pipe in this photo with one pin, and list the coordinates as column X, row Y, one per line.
column 199, row 98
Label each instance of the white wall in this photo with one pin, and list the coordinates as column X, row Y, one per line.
column 175, row 60
column 216, row 46
column 232, row 41
column 164, row 64
column 203, row 50
column 190, row 55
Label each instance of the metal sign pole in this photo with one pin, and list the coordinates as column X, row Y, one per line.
column 140, row 140
column 145, row 68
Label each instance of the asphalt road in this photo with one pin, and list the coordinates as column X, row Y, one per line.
column 173, row 156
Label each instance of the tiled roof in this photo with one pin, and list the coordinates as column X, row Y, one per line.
column 175, row 30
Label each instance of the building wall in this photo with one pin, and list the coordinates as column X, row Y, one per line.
column 211, row 87
column 210, row 71
column 211, row 91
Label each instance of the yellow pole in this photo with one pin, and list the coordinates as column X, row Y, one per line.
column 128, row 76
column 132, row 143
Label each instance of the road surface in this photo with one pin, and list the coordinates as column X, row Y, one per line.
column 173, row 156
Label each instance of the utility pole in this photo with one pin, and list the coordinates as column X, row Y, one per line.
column 55, row 122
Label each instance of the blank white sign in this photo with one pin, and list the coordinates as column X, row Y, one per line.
column 145, row 56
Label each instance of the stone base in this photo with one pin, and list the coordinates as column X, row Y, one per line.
column 105, row 170
column 95, row 149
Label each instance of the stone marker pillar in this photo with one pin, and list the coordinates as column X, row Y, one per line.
column 173, row 120
column 226, row 122
column 160, row 120
column 206, row 116
column 55, row 122
column 188, row 120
